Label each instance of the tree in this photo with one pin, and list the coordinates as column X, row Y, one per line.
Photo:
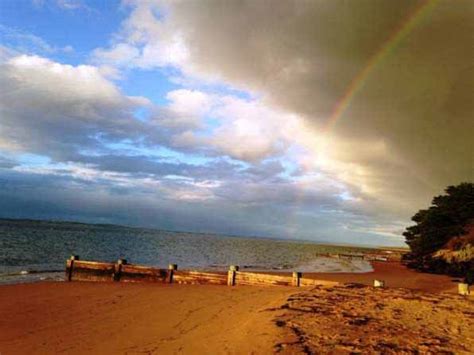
column 450, row 216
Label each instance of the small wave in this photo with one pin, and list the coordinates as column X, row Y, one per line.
column 29, row 272
column 27, row 276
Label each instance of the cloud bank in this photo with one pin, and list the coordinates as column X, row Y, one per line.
column 272, row 161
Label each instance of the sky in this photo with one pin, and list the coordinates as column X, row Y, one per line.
column 333, row 121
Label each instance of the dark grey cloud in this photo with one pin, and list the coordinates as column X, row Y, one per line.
column 266, row 170
column 7, row 163
column 140, row 165
column 64, row 197
column 302, row 56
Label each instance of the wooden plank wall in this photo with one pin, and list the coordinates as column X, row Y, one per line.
column 260, row 279
column 198, row 277
column 90, row 271
column 137, row 273
column 121, row 271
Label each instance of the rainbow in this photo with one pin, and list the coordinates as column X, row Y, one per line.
column 388, row 47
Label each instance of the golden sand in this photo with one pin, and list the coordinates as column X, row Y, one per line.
column 123, row 318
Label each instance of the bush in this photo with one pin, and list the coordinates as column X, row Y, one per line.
column 442, row 226
column 469, row 278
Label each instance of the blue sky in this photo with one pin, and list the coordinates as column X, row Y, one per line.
column 72, row 34
column 190, row 116
column 85, row 28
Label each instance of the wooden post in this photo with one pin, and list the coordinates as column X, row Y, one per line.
column 463, row 289
column 379, row 283
column 70, row 266
column 118, row 269
column 171, row 269
column 231, row 275
column 296, row 279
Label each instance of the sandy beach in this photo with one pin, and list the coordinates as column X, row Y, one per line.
column 120, row 318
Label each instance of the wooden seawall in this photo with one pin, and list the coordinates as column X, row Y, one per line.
column 121, row 271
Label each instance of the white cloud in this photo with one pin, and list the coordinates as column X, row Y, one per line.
column 68, row 108
column 70, row 4
column 144, row 42
column 244, row 129
column 121, row 54
column 186, row 109
column 249, row 130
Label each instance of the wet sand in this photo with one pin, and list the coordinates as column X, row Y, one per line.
column 102, row 318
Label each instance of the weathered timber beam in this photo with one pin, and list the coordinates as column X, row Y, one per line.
column 231, row 275
column 296, row 279
column 70, row 266
column 198, row 277
column 118, row 269
column 172, row 268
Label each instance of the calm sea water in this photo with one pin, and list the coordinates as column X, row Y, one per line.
column 31, row 250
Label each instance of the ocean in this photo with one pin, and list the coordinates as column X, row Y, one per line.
column 36, row 250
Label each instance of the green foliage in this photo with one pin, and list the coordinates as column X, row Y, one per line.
column 447, row 218
column 469, row 278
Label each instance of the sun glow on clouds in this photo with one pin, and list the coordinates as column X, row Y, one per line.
column 249, row 130
column 244, row 129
